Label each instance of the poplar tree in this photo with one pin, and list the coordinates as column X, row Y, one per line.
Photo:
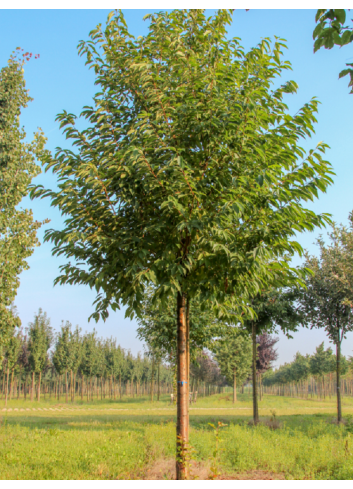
column 17, row 168
column 189, row 175
column 12, row 355
column 40, row 337
column 66, row 356
column 233, row 353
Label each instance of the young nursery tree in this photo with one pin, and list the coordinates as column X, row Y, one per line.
column 327, row 301
column 66, row 355
column 40, row 337
column 17, row 168
column 233, row 353
column 274, row 308
column 189, row 175
column 12, row 354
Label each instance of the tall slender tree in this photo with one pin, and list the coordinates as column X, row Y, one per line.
column 233, row 353
column 18, row 231
column 40, row 337
column 275, row 308
column 327, row 301
column 189, row 175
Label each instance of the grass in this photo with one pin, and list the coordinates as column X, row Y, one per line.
column 97, row 441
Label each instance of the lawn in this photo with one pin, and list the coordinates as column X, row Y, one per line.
column 127, row 439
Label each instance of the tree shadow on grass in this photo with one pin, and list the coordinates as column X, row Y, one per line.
column 137, row 423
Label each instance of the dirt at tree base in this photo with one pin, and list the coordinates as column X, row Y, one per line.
column 164, row 469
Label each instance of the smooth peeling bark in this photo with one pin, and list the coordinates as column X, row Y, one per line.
column 338, row 373
column 182, row 390
column 254, row 390
column 188, row 354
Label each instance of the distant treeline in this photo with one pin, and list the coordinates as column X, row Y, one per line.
column 311, row 375
column 72, row 364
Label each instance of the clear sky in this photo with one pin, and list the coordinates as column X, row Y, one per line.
column 60, row 80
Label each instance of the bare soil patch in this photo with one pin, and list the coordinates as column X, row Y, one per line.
column 164, row 469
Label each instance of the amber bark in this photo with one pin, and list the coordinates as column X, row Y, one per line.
column 182, row 390
column 338, row 374
column 254, row 390
column 188, row 354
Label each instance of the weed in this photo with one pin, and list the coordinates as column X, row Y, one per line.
column 273, row 422
column 216, row 453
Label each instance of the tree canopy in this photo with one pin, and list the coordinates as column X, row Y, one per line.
column 331, row 30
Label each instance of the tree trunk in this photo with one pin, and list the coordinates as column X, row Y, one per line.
column 7, row 385
column 39, row 382
column 338, row 372
column 32, row 389
column 66, row 387
column 188, row 358
column 234, row 386
column 152, row 378
column 120, row 386
column 11, row 385
column 182, row 404
column 158, row 386
column 254, row 390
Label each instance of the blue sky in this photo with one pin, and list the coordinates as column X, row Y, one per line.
column 60, row 80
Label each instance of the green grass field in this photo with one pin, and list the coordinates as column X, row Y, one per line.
column 125, row 439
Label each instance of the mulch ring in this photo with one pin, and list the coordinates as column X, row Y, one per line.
column 164, row 469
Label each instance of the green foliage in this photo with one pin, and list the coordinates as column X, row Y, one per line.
column 328, row 298
column 13, row 350
column 189, row 175
column 17, row 168
column 158, row 325
column 331, row 31
column 233, row 353
column 68, row 349
column 40, row 337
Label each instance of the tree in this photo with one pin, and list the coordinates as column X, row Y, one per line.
column 67, row 352
column 40, row 337
column 327, row 300
column 17, row 168
column 89, row 359
column 189, row 177
column 233, row 355
column 12, row 354
column 274, row 308
column 266, row 354
column 330, row 31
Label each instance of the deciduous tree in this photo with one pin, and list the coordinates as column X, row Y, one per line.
column 327, row 301
column 233, row 353
column 18, row 230
column 189, row 175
